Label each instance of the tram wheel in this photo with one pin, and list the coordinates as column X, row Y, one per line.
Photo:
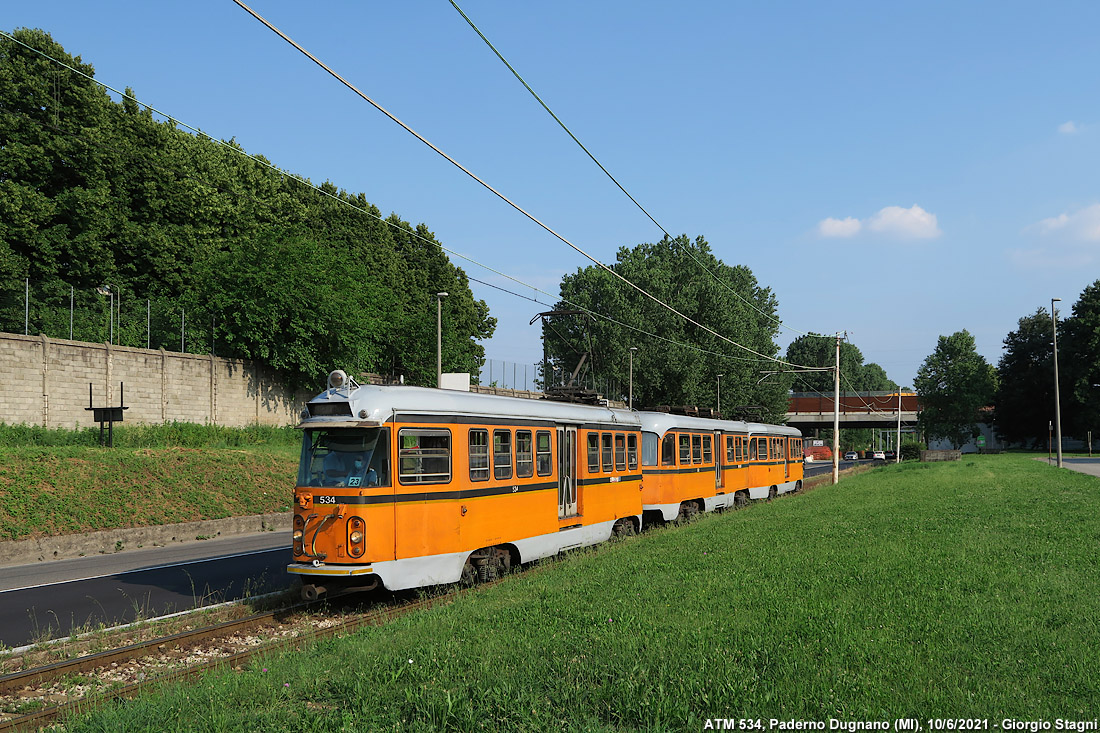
column 689, row 510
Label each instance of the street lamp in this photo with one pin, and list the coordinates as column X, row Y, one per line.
column 439, row 339
column 720, row 395
column 630, row 399
column 106, row 290
column 1057, row 401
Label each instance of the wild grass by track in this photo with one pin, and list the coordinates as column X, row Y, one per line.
column 967, row 589
column 61, row 482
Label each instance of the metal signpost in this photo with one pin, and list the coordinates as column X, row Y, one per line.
column 108, row 415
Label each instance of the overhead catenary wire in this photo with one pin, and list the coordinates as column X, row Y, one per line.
column 617, row 322
column 497, row 193
column 406, row 231
column 614, row 180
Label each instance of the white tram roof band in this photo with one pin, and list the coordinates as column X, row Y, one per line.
column 662, row 422
column 377, row 404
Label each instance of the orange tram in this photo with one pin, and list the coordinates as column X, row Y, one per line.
column 404, row 487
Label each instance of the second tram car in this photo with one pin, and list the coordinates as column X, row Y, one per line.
column 692, row 464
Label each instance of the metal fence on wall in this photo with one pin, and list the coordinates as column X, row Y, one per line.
column 107, row 314
column 528, row 377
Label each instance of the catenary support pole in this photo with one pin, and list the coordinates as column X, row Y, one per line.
column 897, row 448
column 1057, row 401
column 836, row 414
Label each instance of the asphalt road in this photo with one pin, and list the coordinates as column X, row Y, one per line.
column 819, row 467
column 51, row 600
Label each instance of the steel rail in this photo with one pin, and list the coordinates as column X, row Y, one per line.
column 47, row 716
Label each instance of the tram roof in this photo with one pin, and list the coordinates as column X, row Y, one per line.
column 372, row 405
column 661, row 423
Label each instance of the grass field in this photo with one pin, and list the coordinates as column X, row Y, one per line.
column 966, row 589
column 60, row 481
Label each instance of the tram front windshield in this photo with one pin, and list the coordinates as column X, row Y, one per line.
column 345, row 458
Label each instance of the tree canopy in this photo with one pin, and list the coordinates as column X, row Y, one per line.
column 955, row 383
column 816, row 350
column 676, row 363
column 1025, row 391
column 1079, row 368
column 98, row 195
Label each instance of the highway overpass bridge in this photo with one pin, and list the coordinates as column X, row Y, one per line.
column 810, row 411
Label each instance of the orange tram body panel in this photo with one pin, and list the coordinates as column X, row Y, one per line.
column 407, row 486
column 692, row 464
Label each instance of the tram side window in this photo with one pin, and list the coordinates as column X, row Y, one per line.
column 731, row 450
column 696, row 449
column 777, row 449
column 424, row 456
column 668, row 450
column 685, row 449
column 632, row 452
column 544, row 456
column 479, row 455
column 651, row 449
column 593, row 452
column 707, row 454
column 525, row 456
column 620, row 452
column 502, row 454
column 607, row 464
column 752, row 449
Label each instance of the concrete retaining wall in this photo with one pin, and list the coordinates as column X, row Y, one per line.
column 66, row 547
column 44, row 381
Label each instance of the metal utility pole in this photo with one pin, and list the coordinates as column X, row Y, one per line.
column 439, row 339
column 630, row 399
column 27, row 313
column 1057, row 401
column 836, row 414
column 720, row 395
column 72, row 297
column 897, row 452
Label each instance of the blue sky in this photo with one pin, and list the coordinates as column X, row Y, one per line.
column 896, row 171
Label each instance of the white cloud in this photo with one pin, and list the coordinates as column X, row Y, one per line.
column 911, row 223
column 1071, row 241
column 831, row 227
column 1068, row 128
column 1082, row 225
column 893, row 221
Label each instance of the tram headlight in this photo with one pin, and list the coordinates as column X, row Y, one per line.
column 297, row 536
column 356, row 537
column 337, row 379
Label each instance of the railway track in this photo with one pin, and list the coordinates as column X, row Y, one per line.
column 218, row 645
column 126, row 671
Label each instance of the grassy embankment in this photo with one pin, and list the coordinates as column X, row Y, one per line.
column 966, row 589
column 62, row 482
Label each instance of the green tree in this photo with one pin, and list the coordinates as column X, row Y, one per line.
column 816, row 350
column 1079, row 342
column 96, row 195
column 954, row 383
column 1025, row 390
column 667, row 373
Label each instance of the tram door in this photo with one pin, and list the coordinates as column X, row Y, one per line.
column 719, row 455
column 567, row 472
